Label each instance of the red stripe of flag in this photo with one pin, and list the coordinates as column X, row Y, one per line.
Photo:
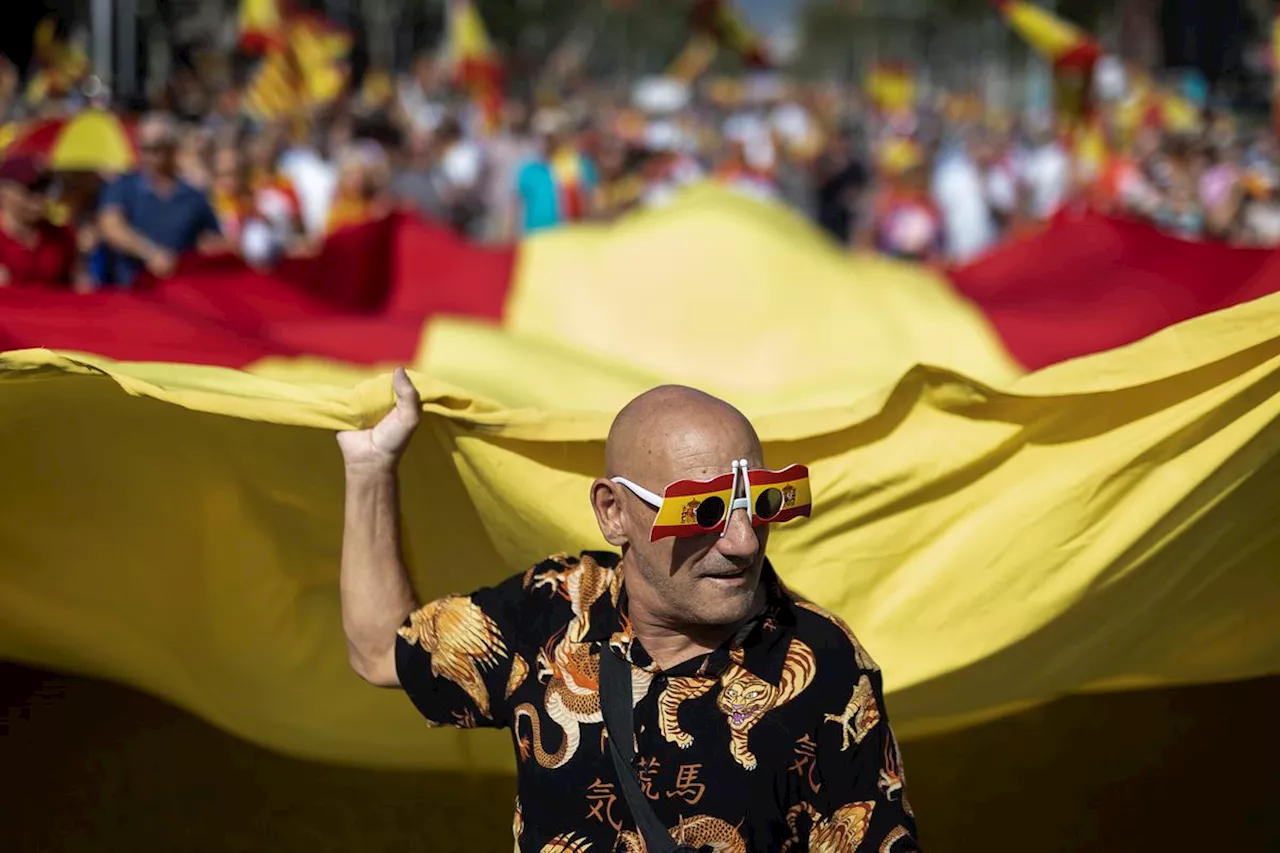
column 686, row 488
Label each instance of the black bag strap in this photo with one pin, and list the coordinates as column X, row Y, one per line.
column 616, row 707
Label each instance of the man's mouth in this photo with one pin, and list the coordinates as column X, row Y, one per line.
column 727, row 574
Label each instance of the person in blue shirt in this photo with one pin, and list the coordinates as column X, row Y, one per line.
column 150, row 217
column 557, row 187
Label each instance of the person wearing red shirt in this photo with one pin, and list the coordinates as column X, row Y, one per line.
column 32, row 249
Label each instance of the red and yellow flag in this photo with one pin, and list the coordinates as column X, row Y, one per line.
column 261, row 25
column 718, row 19
column 679, row 511
column 891, row 86
column 472, row 60
column 304, row 64
column 1070, row 51
column 59, row 65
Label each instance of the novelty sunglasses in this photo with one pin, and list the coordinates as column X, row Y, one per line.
column 697, row 507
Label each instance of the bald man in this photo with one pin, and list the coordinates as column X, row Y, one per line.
column 757, row 722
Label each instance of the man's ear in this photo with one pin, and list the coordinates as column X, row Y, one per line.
column 609, row 512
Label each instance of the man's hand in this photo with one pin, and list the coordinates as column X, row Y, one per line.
column 378, row 450
column 161, row 263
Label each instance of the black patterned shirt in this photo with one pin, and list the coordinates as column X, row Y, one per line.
column 776, row 741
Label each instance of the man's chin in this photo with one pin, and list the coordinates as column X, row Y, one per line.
column 727, row 600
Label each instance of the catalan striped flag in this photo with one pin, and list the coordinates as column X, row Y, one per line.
column 1070, row 51
column 472, row 60
column 304, row 61
column 718, row 19
column 59, row 65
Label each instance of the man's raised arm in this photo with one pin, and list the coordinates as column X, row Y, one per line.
column 376, row 594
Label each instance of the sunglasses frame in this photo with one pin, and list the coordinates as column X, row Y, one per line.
column 740, row 474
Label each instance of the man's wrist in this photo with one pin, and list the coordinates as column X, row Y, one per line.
column 371, row 471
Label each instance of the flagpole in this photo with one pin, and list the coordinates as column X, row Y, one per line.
column 1275, row 72
column 127, row 47
column 100, row 21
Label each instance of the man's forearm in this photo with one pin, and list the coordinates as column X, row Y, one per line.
column 123, row 238
column 375, row 589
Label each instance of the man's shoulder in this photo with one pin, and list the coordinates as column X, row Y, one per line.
column 589, row 571
column 127, row 184
column 190, row 194
column 829, row 635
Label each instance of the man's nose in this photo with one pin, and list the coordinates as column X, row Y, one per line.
column 739, row 539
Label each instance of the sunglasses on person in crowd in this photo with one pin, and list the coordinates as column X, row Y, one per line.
column 696, row 507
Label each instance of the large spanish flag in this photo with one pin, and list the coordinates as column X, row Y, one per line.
column 996, row 537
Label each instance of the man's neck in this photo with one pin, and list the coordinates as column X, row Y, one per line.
column 161, row 183
column 671, row 645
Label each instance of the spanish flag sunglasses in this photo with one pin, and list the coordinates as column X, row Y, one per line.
column 697, row 507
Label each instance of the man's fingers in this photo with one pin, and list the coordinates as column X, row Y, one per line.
column 408, row 402
column 406, row 393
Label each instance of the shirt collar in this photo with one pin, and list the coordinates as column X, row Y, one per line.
column 764, row 640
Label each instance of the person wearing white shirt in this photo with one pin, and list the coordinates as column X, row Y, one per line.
column 1046, row 174
column 960, row 191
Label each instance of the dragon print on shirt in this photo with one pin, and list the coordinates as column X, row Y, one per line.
column 892, row 781
column 895, row 835
column 744, row 698
column 840, row 833
column 569, row 667
column 567, row 842
column 581, row 584
column 701, row 832
column 519, row 669
column 728, row 742
column 462, row 640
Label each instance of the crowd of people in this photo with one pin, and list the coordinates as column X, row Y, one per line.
column 941, row 182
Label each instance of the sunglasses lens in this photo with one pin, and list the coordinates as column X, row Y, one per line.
column 768, row 503
column 710, row 512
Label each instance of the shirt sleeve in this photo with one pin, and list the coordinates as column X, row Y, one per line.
column 454, row 656
column 859, row 765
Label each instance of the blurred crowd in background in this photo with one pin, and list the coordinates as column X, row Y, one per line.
column 937, row 176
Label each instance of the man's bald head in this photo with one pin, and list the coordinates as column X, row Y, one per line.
column 657, row 433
